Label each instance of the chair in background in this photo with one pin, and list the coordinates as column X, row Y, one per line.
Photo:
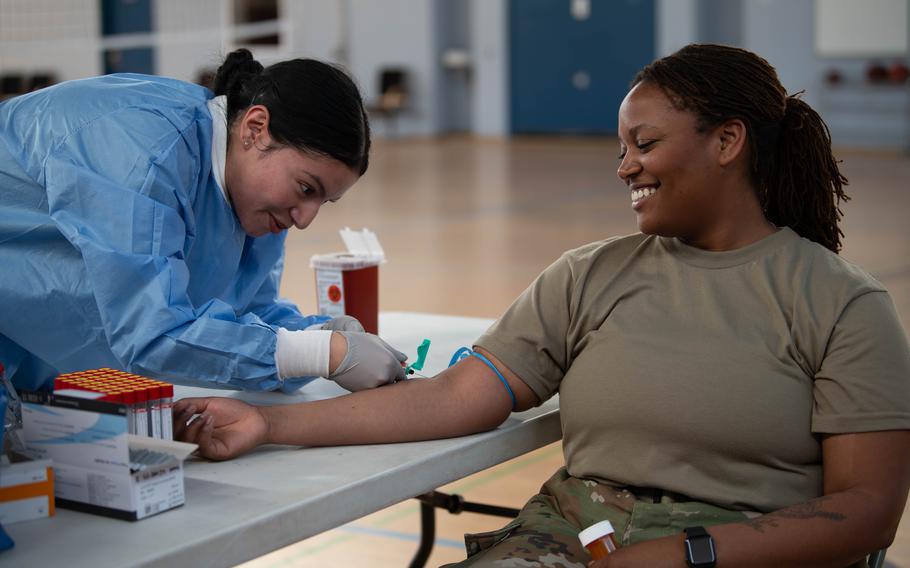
column 394, row 95
column 14, row 84
column 40, row 81
column 11, row 84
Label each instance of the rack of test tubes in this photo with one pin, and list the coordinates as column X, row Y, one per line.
column 148, row 401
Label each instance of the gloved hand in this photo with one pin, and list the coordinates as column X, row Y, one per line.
column 369, row 362
column 342, row 323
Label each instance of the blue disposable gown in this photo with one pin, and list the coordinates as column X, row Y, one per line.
column 118, row 249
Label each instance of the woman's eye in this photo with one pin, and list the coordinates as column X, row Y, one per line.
column 645, row 144
column 306, row 190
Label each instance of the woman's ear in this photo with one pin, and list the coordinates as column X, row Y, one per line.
column 254, row 127
column 731, row 141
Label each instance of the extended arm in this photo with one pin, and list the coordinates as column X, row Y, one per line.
column 866, row 481
column 464, row 399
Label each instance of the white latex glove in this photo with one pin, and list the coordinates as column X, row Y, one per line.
column 369, row 362
column 342, row 323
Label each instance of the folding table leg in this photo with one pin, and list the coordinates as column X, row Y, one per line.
column 454, row 504
column 427, row 535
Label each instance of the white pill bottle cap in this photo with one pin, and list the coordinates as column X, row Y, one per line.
column 594, row 532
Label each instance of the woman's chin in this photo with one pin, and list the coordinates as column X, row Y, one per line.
column 254, row 231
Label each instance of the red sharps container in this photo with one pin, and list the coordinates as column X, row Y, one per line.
column 347, row 283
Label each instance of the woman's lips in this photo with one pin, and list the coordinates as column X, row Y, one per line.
column 274, row 225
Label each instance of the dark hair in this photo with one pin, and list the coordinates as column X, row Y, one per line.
column 794, row 171
column 313, row 106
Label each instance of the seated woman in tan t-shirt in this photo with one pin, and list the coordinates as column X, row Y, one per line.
column 722, row 369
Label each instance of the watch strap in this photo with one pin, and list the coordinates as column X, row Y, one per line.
column 692, row 532
column 697, row 556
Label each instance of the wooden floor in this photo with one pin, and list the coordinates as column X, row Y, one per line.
column 467, row 224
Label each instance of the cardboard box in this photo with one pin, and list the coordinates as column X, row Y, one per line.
column 26, row 491
column 98, row 466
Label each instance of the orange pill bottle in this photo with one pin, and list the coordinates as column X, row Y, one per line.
column 598, row 539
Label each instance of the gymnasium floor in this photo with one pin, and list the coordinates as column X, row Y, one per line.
column 467, row 224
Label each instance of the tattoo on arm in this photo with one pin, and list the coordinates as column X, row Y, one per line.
column 808, row 510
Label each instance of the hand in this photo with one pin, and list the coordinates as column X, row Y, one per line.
column 666, row 552
column 343, row 323
column 368, row 363
column 225, row 427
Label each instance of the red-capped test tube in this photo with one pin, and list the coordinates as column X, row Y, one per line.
column 154, row 403
column 142, row 410
column 128, row 397
column 167, row 417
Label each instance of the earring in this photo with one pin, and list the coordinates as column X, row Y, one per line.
column 247, row 142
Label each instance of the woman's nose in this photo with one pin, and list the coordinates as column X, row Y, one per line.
column 628, row 167
column 303, row 215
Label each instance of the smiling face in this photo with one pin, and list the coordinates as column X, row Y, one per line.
column 670, row 168
column 273, row 187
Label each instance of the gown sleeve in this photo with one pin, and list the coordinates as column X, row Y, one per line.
column 277, row 311
column 119, row 189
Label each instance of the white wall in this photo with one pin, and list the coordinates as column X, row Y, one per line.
column 58, row 36
column 781, row 32
column 320, row 28
column 397, row 33
column 193, row 36
column 489, row 50
column 63, row 36
column 677, row 25
column 453, row 76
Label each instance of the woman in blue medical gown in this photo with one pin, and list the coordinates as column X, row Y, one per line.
column 142, row 227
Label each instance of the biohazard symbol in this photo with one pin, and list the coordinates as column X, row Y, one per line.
column 334, row 294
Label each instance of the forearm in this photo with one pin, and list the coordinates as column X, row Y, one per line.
column 454, row 403
column 832, row 531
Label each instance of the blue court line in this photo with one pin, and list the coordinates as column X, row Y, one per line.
column 400, row 536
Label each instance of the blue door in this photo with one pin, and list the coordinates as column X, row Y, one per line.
column 572, row 60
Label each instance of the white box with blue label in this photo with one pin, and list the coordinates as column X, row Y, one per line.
column 98, row 466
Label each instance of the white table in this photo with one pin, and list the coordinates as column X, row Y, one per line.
column 278, row 495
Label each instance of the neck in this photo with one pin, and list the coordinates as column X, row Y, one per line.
column 741, row 222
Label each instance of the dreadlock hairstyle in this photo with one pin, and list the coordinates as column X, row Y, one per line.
column 798, row 182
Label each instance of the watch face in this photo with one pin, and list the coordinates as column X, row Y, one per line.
column 701, row 551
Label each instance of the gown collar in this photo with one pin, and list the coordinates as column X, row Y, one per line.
column 217, row 108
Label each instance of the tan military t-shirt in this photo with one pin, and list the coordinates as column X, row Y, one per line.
column 710, row 374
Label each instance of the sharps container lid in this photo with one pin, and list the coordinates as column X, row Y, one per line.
column 363, row 250
column 595, row 532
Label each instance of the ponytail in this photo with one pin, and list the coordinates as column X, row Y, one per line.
column 803, row 186
column 237, row 79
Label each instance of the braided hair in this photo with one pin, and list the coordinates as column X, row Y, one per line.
column 792, row 168
column 313, row 106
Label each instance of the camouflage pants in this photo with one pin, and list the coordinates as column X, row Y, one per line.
column 545, row 533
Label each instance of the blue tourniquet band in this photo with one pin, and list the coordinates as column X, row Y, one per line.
column 465, row 352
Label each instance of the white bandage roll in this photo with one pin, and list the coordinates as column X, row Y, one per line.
column 303, row 353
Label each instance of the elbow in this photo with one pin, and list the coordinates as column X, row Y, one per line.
column 882, row 524
column 884, row 538
column 486, row 415
column 493, row 419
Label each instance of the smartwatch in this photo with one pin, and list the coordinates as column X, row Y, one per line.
column 700, row 548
